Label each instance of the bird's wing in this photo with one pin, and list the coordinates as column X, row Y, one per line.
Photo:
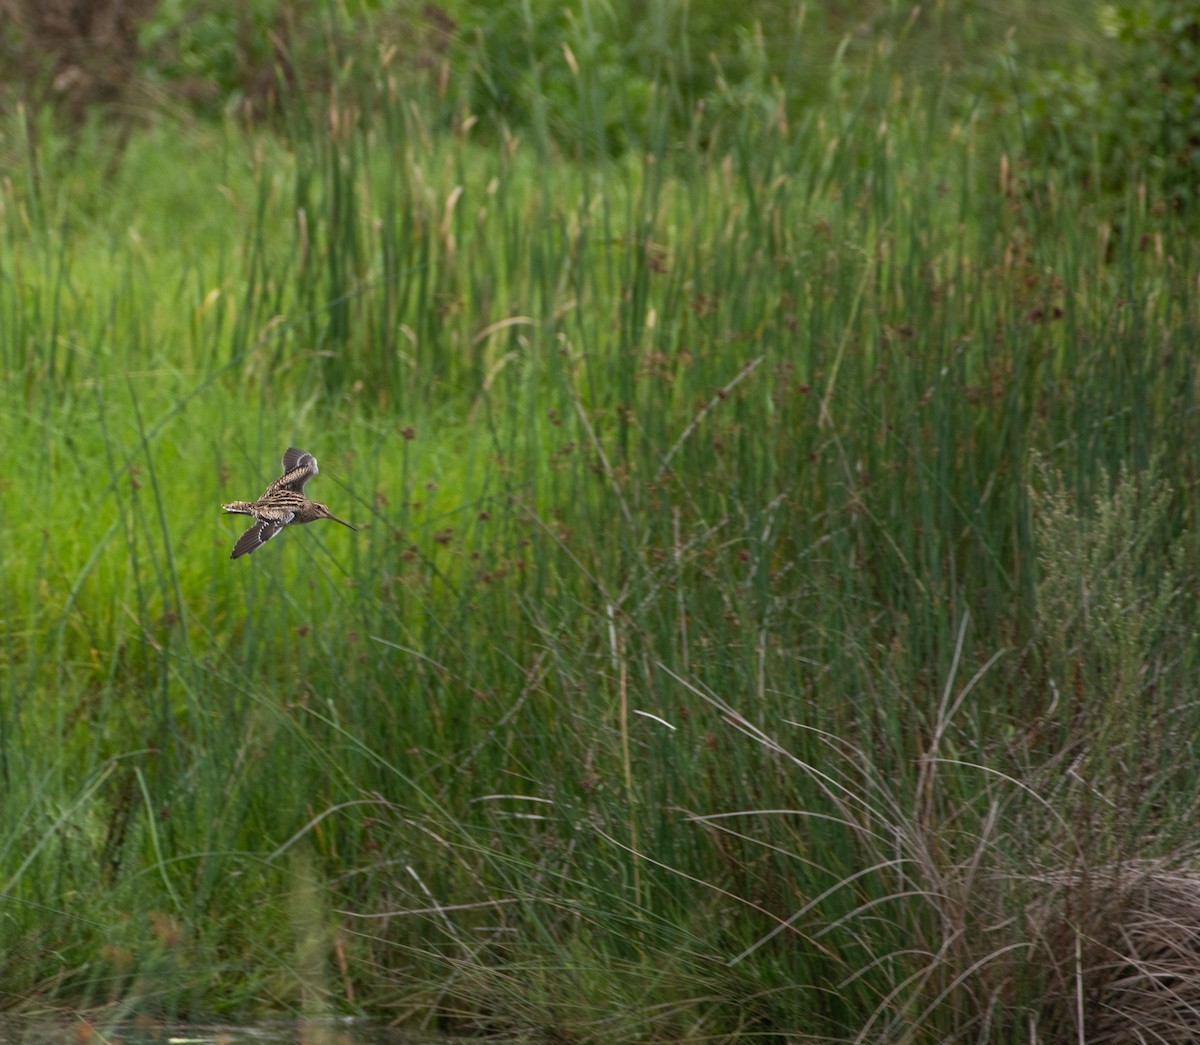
column 298, row 467
column 293, row 458
column 261, row 532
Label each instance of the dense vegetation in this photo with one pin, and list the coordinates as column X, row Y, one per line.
column 772, row 612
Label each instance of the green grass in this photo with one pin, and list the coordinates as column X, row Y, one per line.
column 765, row 622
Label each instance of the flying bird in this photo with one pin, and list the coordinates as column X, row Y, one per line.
column 282, row 504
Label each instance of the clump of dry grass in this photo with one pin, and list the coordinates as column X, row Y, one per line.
column 1122, row 943
column 973, row 932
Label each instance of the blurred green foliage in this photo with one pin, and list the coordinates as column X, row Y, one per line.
column 216, row 43
column 222, row 54
column 1109, row 89
column 531, row 64
column 1129, row 106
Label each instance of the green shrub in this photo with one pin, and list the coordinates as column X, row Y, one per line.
column 222, row 55
column 1127, row 107
column 626, row 66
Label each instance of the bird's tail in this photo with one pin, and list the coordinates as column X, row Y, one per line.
column 239, row 508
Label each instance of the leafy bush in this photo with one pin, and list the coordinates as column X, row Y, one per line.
column 1138, row 111
column 626, row 66
column 222, row 54
column 215, row 49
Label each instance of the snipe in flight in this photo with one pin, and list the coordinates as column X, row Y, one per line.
column 282, row 504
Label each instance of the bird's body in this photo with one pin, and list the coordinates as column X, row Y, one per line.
column 282, row 504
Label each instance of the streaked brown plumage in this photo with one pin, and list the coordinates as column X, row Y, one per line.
column 282, row 504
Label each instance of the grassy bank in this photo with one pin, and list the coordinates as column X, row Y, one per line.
column 771, row 610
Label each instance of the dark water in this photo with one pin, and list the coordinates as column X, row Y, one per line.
column 63, row 1031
